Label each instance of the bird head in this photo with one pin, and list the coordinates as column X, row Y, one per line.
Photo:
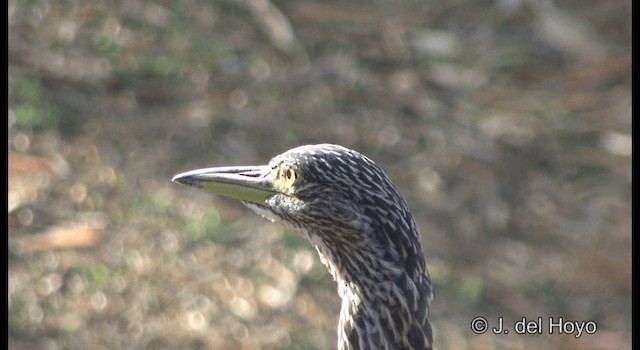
column 361, row 226
column 341, row 200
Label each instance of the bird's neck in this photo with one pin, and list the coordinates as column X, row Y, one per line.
column 383, row 317
column 382, row 306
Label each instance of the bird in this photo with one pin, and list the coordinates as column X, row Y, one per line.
column 362, row 228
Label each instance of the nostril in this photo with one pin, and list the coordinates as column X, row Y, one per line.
column 251, row 174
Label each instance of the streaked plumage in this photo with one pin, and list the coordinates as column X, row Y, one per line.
column 362, row 228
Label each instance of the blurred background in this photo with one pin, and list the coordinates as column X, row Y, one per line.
column 505, row 123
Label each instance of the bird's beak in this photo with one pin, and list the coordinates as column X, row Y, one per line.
column 246, row 183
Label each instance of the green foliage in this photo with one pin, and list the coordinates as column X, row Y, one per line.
column 470, row 290
column 164, row 66
column 294, row 240
column 28, row 89
column 99, row 275
column 105, row 46
column 210, row 227
column 31, row 108
column 300, row 342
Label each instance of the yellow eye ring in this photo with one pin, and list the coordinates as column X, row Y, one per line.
column 284, row 177
column 288, row 176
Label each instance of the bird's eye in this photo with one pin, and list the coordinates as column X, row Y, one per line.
column 289, row 176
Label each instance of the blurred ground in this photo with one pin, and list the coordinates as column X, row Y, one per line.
column 506, row 124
